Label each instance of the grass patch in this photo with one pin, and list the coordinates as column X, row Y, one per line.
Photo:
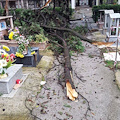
column 91, row 56
column 66, row 105
column 109, row 64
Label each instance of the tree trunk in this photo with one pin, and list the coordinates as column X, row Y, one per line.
column 6, row 7
column 54, row 5
column 70, row 88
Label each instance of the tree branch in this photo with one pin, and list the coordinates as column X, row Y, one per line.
column 69, row 30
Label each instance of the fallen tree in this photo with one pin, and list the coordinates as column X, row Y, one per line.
column 59, row 33
column 71, row 92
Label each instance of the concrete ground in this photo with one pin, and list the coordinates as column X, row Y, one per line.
column 51, row 103
column 99, row 89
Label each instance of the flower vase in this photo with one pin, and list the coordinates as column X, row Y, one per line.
column 3, row 73
column 25, row 52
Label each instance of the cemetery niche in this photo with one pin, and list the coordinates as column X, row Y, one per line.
column 106, row 20
column 103, row 20
column 113, row 27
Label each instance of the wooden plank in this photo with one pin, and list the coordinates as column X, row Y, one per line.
column 11, row 23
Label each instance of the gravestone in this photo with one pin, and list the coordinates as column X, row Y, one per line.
column 6, row 84
column 28, row 60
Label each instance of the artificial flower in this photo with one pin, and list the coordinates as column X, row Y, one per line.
column 4, row 62
column 2, row 51
column 19, row 55
column 6, row 48
column 6, row 54
column 12, row 55
column 32, row 52
column 7, row 60
column 2, row 56
column 11, row 36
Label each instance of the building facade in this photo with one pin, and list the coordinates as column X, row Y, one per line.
column 75, row 3
column 28, row 4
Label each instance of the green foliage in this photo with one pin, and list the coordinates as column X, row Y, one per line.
column 91, row 56
column 1, row 12
column 8, row 64
column 1, row 94
column 52, row 24
column 59, row 10
column 75, row 44
column 96, row 9
column 60, row 112
column 66, row 105
column 40, row 38
column 109, row 63
column 81, row 29
column 55, row 48
column 21, row 48
column 71, row 52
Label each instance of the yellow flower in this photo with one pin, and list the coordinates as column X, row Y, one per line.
column 19, row 55
column 11, row 35
column 6, row 48
column 6, row 54
column 32, row 52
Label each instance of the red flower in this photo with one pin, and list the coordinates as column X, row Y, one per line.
column 2, row 55
column 12, row 55
column 7, row 60
column 7, row 57
column 11, row 58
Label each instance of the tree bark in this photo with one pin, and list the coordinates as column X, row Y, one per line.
column 67, row 64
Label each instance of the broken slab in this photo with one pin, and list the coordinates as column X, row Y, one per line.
column 111, row 56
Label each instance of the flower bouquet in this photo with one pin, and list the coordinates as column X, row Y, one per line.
column 6, row 61
column 23, row 42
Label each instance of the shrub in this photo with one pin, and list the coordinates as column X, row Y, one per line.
column 96, row 9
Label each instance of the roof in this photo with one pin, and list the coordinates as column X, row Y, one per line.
column 109, row 11
column 102, row 10
column 114, row 15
